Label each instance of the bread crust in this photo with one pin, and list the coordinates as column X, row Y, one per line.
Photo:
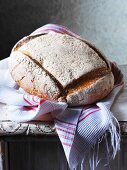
column 32, row 78
column 93, row 93
column 47, row 66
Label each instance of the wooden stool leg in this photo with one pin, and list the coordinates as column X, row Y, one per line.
column 4, row 163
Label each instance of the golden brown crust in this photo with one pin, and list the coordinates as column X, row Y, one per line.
column 93, row 92
column 32, row 78
column 29, row 70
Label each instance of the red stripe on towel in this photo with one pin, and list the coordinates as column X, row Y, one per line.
column 66, row 122
column 33, row 98
column 27, row 101
column 66, row 137
column 42, row 101
column 64, row 131
column 66, row 144
column 89, row 114
column 64, row 126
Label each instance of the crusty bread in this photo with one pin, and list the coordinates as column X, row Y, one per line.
column 62, row 68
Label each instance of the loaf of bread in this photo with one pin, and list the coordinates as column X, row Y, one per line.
column 60, row 67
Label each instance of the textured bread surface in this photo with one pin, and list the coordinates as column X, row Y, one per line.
column 62, row 68
column 95, row 91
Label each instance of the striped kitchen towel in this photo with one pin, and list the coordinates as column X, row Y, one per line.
column 80, row 129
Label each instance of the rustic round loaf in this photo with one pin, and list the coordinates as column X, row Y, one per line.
column 60, row 67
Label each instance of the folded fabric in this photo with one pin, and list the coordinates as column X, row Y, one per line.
column 119, row 106
column 79, row 128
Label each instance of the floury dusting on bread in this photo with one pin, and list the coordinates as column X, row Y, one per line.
column 61, row 67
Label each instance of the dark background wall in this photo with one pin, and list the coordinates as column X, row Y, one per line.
column 103, row 22
column 20, row 18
